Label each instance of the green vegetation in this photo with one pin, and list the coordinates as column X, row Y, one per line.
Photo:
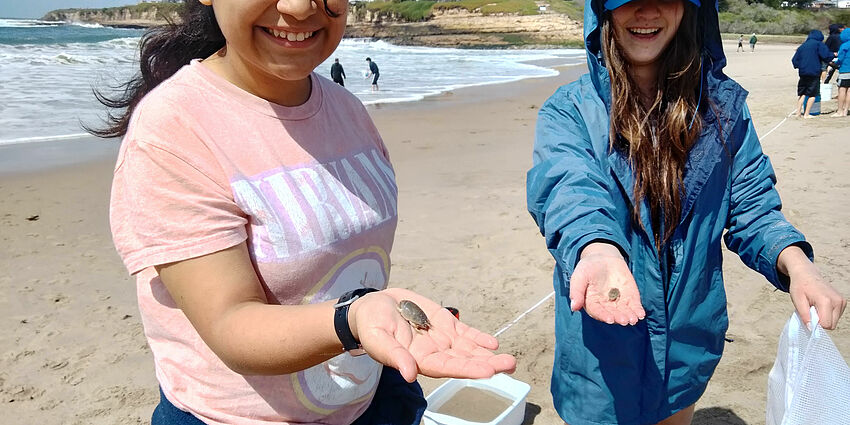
column 571, row 8
column 492, row 7
column 411, row 11
column 740, row 17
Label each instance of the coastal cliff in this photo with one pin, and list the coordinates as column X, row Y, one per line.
column 139, row 16
column 444, row 27
column 460, row 28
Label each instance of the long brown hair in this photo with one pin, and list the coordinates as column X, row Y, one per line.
column 658, row 137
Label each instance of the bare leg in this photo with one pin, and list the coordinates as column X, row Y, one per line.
column 809, row 104
column 843, row 102
column 682, row 417
column 799, row 106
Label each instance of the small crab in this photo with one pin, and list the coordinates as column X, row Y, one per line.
column 414, row 315
column 613, row 294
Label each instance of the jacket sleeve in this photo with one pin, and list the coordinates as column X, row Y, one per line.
column 567, row 190
column 795, row 59
column 757, row 230
column 825, row 53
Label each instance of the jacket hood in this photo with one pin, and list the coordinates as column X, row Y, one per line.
column 712, row 50
column 833, row 29
column 815, row 35
column 845, row 36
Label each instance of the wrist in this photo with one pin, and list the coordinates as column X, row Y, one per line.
column 352, row 318
column 793, row 261
column 345, row 321
column 600, row 249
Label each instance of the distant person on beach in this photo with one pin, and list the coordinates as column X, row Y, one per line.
column 641, row 168
column 255, row 203
column 740, row 44
column 842, row 60
column 807, row 60
column 337, row 73
column 374, row 73
column 753, row 41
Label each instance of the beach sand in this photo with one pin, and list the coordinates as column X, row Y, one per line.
column 72, row 349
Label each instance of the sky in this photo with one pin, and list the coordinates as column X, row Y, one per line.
column 37, row 8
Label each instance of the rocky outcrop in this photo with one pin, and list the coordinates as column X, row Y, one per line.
column 114, row 16
column 457, row 27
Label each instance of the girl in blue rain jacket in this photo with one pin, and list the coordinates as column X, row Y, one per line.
column 639, row 168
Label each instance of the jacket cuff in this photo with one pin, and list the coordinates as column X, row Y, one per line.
column 572, row 252
column 771, row 258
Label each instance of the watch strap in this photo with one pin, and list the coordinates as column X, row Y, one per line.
column 343, row 331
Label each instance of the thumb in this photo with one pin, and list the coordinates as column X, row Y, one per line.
column 802, row 304
column 578, row 289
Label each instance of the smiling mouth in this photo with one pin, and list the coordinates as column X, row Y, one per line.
column 289, row 36
column 644, row 32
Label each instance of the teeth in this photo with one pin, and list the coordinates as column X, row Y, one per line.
column 644, row 30
column 291, row 36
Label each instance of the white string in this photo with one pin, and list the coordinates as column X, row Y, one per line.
column 777, row 125
column 513, row 322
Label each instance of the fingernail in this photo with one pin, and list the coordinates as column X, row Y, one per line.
column 573, row 305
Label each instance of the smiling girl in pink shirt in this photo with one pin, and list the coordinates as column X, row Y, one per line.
column 255, row 203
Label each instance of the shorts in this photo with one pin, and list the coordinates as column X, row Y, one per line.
column 396, row 402
column 375, row 80
column 844, row 79
column 823, row 66
column 809, row 85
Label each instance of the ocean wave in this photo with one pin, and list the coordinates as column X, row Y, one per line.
column 42, row 138
column 28, row 23
column 86, row 25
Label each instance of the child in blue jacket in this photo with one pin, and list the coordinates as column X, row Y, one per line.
column 641, row 168
column 807, row 60
column 843, row 62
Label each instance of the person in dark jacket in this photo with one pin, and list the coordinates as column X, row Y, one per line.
column 807, row 60
column 374, row 72
column 833, row 43
column 643, row 167
column 337, row 73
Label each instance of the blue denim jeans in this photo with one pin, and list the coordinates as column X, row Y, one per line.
column 396, row 402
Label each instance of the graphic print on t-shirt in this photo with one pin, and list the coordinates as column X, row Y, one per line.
column 344, row 379
column 295, row 211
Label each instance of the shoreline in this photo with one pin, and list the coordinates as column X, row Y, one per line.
column 75, row 149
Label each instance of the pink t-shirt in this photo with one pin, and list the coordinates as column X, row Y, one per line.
column 205, row 166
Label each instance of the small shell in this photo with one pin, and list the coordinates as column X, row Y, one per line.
column 414, row 315
column 613, row 294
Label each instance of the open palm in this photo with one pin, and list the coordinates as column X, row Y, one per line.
column 449, row 348
column 591, row 286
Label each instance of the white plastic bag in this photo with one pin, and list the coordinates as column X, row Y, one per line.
column 810, row 381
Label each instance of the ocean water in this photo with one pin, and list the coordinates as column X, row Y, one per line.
column 48, row 71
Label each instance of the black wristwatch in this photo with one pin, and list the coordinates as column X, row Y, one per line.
column 343, row 332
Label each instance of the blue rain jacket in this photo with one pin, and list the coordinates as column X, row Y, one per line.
column 811, row 54
column 843, row 57
column 580, row 191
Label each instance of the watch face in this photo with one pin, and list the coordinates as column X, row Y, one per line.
column 357, row 352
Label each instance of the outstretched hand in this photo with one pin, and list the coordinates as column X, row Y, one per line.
column 808, row 288
column 449, row 348
column 603, row 285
